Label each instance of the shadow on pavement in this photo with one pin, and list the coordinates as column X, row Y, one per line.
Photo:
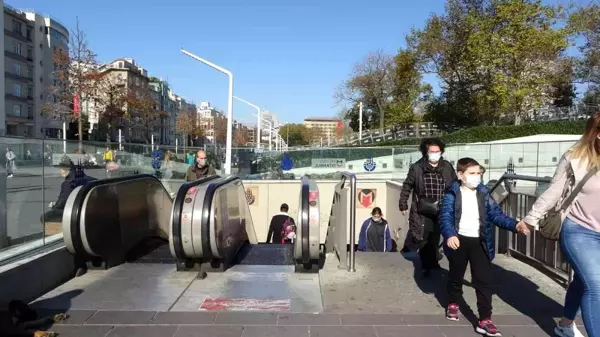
column 512, row 288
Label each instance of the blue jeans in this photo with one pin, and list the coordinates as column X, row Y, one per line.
column 581, row 247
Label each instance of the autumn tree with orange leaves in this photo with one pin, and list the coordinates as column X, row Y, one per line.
column 240, row 137
column 75, row 81
column 143, row 112
column 189, row 125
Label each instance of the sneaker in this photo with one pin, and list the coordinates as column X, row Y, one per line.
column 452, row 312
column 567, row 331
column 487, row 328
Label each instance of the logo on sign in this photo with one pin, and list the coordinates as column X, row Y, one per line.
column 366, row 197
column 250, row 198
column 370, row 165
column 188, row 200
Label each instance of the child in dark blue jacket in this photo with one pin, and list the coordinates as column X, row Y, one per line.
column 467, row 218
column 375, row 234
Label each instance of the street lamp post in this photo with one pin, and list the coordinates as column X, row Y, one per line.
column 360, row 107
column 257, row 120
column 270, row 131
column 229, row 107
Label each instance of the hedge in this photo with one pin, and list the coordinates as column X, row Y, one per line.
column 491, row 133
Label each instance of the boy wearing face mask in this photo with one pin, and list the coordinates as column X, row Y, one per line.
column 375, row 234
column 467, row 216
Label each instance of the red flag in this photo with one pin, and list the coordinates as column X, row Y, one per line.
column 340, row 125
column 76, row 105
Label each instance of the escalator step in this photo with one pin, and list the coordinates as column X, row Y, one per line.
column 266, row 254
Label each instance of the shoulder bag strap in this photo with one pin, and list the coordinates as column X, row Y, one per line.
column 578, row 188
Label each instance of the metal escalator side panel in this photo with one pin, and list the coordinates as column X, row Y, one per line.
column 192, row 221
column 70, row 235
column 314, row 220
column 304, row 217
column 208, row 213
column 228, row 224
column 175, row 236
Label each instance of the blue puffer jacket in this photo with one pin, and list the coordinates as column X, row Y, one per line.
column 450, row 213
column 362, row 237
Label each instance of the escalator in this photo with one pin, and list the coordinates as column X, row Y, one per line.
column 112, row 221
column 213, row 228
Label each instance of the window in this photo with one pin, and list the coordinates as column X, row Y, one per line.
column 17, row 48
column 29, row 33
column 17, row 110
column 17, row 69
column 17, row 89
column 30, row 92
column 17, row 26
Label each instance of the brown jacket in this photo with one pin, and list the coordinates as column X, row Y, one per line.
column 195, row 173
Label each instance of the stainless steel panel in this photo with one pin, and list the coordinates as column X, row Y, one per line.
column 230, row 224
column 116, row 217
column 66, row 220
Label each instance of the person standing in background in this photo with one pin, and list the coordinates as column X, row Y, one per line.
column 426, row 181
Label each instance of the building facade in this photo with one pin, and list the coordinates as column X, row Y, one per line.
column 19, row 75
column 213, row 123
column 323, row 128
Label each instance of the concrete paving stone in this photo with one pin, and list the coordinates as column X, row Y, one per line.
column 431, row 320
column 173, row 317
column 121, row 317
column 458, row 331
column 81, row 331
column 342, row 331
column 501, row 320
column 275, row 331
column 246, row 318
column 308, row 319
column 525, row 331
column 75, row 316
column 372, row 319
column 142, row 331
column 408, row 331
column 209, row 331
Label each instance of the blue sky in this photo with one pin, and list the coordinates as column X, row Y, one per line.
column 287, row 56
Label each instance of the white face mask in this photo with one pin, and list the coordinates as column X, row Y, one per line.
column 376, row 219
column 434, row 157
column 472, row 181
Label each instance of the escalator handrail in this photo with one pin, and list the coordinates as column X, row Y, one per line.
column 207, row 212
column 79, row 201
column 305, row 219
column 176, row 214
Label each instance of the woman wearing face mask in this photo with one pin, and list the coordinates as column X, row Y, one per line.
column 426, row 180
column 375, row 234
column 580, row 232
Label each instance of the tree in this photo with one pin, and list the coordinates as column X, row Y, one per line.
column 296, row 134
column 371, row 80
column 240, row 137
column 189, row 125
column 143, row 112
column 75, row 80
column 584, row 22
column 563, row 90
column 111, row 103
column 220, row 129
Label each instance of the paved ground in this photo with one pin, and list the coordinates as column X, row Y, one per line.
column 385, row 297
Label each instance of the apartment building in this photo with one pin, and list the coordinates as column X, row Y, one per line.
column 127, row 73
column 322, row 127
column 19, row 82
column 213, row 123
column 48, row 36
column 2, row 80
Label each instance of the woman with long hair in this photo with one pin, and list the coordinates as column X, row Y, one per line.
column 580, row 232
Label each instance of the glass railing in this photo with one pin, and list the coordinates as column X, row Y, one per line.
column 37, row 180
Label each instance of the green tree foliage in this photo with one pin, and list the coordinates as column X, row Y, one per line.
column 296, row 134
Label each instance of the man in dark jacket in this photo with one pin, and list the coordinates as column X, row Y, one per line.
column 426, row 180
column 276, row 227
column 74, row 177
column 200, row 169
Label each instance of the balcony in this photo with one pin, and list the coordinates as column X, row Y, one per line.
column 15, row 97
column 24, row 116
column 17, row 36
column 12, row 75
column 16, row 56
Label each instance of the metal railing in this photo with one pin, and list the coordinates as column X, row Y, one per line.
column 532, row 248
column 343, row 220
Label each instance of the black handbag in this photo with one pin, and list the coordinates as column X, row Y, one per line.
column 551, row 226
column 428, row 206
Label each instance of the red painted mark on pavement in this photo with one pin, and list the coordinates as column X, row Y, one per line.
column 243, row 304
